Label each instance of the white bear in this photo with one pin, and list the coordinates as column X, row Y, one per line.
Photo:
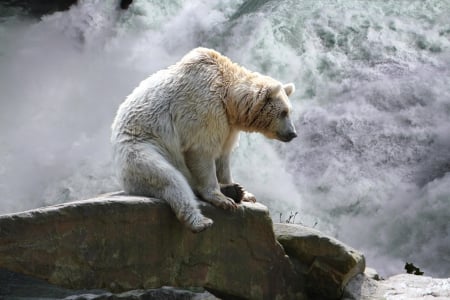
column 173, row 136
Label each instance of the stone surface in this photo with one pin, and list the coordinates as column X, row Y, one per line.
column 18, row 286
column 326, row 263
column 398, row 287
column 120, row 243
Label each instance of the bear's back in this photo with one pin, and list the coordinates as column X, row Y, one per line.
column 179, row 103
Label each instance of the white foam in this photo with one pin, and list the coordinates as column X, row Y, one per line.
column 371, row 162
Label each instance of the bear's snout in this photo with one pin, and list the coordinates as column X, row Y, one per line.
column 286, row 131
column 291, row 136
column 287, row 137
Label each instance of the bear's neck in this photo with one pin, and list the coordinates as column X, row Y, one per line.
column 239, row 94
column 243, row 104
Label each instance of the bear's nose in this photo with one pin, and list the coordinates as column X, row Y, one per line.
column 287, row 137
column 291, row 135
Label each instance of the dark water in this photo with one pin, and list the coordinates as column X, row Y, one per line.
column 371, row 164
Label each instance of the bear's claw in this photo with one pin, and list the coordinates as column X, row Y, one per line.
column 248, row 197
column 236, row 192
column 229, row 203
column 218, row 199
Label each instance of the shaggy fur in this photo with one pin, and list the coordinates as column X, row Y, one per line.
column 173, row 136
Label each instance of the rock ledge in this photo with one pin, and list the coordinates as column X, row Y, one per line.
column 121, row 243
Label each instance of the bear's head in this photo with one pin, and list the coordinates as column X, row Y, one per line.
column 264, row 107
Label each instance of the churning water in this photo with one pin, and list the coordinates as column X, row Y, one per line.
column 371, row 165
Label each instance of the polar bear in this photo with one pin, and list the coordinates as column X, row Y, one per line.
column 173, row 136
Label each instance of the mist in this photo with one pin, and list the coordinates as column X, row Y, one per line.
column 372, row 108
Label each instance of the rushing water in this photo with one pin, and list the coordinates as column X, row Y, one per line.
column 371, row 165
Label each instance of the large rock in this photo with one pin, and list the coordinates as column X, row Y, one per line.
column 326, row 264
column 121, row 243
column 398, row 287
column 18, row 286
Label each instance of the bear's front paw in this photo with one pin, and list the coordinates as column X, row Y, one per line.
column 237, row 193
column 218, row 199
column 234, row 191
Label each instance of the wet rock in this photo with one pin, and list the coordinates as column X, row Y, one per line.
column 18, row 286
column 120, row 243
column 325, row 263
column 398, row 287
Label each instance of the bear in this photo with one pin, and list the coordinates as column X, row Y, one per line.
column 173, row 135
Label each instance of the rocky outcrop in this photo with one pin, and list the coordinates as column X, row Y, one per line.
column 326, row 264
column 369, row 286
column 121, row 243
column 18, row 286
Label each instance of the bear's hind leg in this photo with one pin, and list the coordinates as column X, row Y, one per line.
column 148, row 173
column 179, row 196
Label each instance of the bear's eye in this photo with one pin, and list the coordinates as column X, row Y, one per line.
column 283, row 114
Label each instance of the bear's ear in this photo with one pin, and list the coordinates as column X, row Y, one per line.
column 289, row 88
column 273, row 90
column 267, row 92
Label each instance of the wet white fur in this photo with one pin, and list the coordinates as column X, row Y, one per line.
column 173, row 136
